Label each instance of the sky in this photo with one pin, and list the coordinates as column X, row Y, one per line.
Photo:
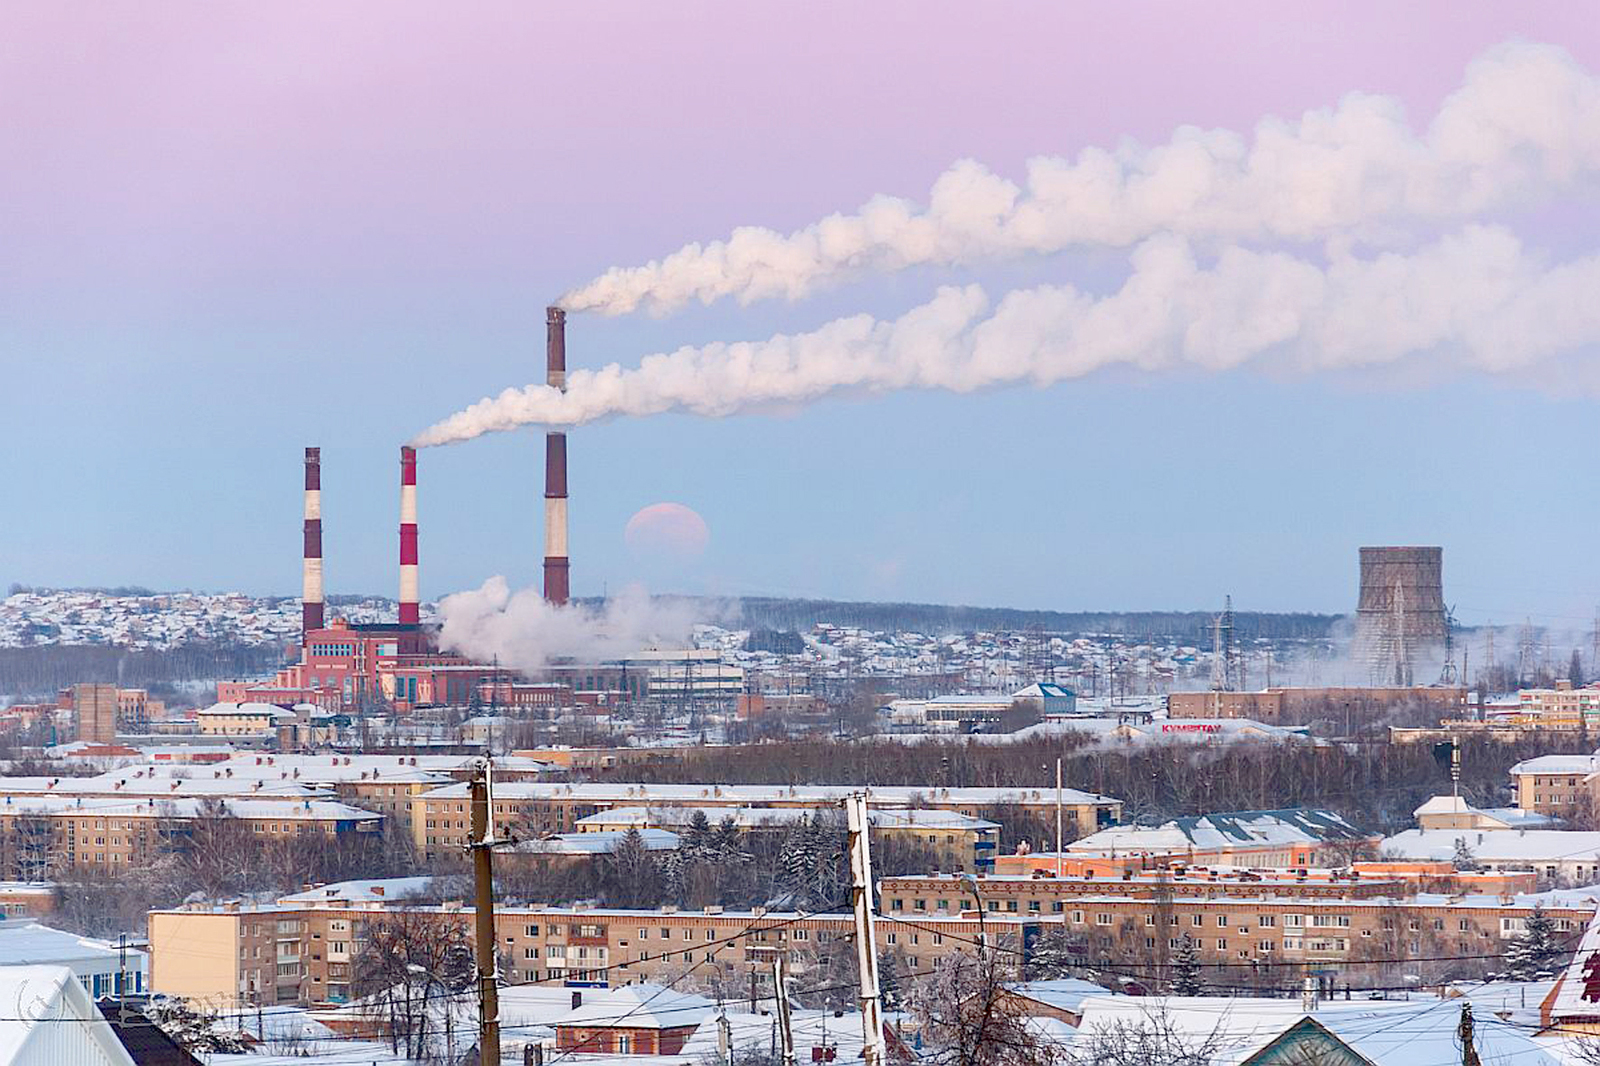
column 228, row 231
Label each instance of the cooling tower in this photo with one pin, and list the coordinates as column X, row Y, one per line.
column 1400, row 617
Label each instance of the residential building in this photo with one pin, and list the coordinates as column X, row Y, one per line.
column 50, row 1019
column 641, row 1019
column 1555, row 785
column 529, row 808
column 103, row 968
column 958, row 841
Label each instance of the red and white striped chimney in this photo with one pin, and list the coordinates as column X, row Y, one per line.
column 311, row 616
column 410, row 612
column 557, row 574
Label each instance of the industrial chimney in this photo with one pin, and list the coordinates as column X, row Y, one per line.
column 311, row 616
column 556, row 570
column 410, row 613
column 1400, row 616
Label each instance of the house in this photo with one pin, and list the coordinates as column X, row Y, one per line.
column 50, row 1019
column 1453, row 812
column 1573, row 1005
column 1061, row 999
column 642, row 1019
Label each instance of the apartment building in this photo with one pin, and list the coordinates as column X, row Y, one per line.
column 302, row 948
column 46, row 835
column 958, row 841
column 537, row 807
column 1554, row 785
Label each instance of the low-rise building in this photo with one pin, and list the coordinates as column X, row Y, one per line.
column 1555, row 855
column 103, row 968
column 1290, row 837
column 641, row 1019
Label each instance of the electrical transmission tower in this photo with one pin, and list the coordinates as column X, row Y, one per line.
column 1225, row 669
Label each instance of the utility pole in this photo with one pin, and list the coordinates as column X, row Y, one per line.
column 1469, row 1054
column 785, row 1025
column 482, row 848
column 858, row 824
column 1058, row 818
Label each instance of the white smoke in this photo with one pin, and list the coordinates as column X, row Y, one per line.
column 1472, row 301
column 1524, row 124
column 524, row 631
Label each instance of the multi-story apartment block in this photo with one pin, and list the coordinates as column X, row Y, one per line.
column 1554, row 785
column 529, row 808
column 46, row 835
column 302, row 948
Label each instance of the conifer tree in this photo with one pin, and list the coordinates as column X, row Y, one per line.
column 1535, row 950
column 1186, row 980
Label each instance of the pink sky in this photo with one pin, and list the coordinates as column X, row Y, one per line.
column 192, row 144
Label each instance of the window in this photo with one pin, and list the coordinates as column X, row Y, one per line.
column 530, row 930
column 1266, row 921
column 1077, row 916
column 1222, row 945
column 1197, row 920
column 1222, row 921
column 893, row 938
column 1102, row 919
column 1265, row 947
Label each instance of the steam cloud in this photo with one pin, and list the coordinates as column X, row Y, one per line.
column 522, row 630
column 1474, row 300
column 1524, row 124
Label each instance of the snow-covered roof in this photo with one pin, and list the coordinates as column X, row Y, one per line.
column 638, row 794
column 595, row 843
column 1497, row 845
column 641, row 1006
column 370, row 890
column 1577, row 992
column 749, row 817
column 1556, row 764
column 190, row 807
column 41, row 995
column 23, row 941
column 1444, row 805
column 255, row 710
column 1067, row 993
column 1414, row 1032
column 1295, row 825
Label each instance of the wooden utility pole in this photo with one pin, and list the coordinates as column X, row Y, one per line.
column 859, row 825
column 482, row 848
column 785, row 1024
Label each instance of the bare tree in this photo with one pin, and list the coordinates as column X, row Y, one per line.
column 971, row 1019
column 413, row 975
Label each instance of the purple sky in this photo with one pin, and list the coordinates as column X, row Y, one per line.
column 228, row 230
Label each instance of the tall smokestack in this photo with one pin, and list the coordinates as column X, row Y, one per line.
column 311, row 616
column 410, row 613
column 556, row 569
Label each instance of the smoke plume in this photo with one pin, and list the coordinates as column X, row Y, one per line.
column 1472, row 301
column 1524, row 124
column 522, row 630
